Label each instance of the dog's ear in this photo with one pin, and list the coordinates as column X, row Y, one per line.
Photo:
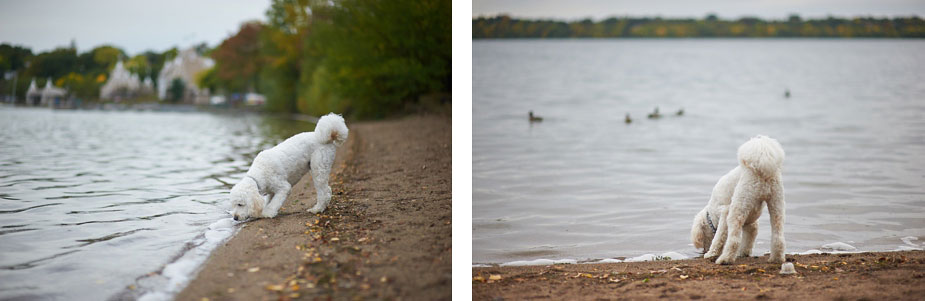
column 257, row 202
column 700, row 232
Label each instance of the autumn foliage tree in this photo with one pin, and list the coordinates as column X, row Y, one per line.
column 238, row 61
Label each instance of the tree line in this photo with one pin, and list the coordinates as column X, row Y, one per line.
column 364, row 58
column 503, row 26
column 81, row 73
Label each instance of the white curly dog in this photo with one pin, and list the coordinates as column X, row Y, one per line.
column 728, row 225
column 270, row 178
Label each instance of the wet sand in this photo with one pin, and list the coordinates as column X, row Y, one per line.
column 860, row 276
column 385, row 235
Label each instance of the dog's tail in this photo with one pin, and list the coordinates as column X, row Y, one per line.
column 762, row 155
column 331, row 129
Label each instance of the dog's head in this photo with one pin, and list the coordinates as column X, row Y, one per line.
column 701, row 233
column 246, row 200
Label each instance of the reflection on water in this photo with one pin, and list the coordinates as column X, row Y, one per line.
column 582, row 184
column 90, row 201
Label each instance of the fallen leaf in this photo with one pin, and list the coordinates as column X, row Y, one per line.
column 761, row 270
column 613, row 280
column 478, row 278
column 335, row 239
column 274, row 288
column 362, row 239
column 492, row 277
column 294, row 295
column 683, row 277
column 231, row 290
column 383, row 279
column 253, row 269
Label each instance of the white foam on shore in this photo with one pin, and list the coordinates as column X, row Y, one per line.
column 830, row 248
column 538, row 262
column 178, row 273
column 653, row 257
column 839, row 246
column 910, row 246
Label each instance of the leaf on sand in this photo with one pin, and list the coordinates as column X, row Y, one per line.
column 274, row 288
column 683, row 277
column 478, row 278
column 253, row 269
column 335, row 239
column 494, row 277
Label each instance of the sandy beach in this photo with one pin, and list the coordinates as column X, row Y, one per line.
column 857, row 276
column 386, row 234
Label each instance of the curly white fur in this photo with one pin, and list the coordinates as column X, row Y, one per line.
column 736, row 204
column 270, row 178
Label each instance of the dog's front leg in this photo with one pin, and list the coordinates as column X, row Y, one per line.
column 748, row 239
column 719, row 239
column 776, row 211
column 279, row 197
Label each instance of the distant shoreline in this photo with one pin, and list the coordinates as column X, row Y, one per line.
column 505, row 27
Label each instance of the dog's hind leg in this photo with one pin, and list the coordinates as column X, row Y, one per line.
column 320, row 175
column 750, row 231
column 719, row 239
column 776, row 211
column 734, row 222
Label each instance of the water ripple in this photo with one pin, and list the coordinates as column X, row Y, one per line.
column 28, row 208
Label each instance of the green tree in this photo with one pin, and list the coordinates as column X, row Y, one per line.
column 380, row 55
column 176, row 90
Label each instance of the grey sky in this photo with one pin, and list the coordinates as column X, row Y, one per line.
column 769, row 9
column 132, row 25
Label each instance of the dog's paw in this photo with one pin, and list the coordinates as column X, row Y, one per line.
column 725, row 260
column 776, row 259
column 709, row 255
column 316, row 210
column 268, row 214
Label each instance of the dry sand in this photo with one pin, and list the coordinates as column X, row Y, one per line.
column 385, row 235
column 861, row 276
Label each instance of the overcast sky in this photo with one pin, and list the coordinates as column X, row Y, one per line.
column 768, row 9
column 132, row 25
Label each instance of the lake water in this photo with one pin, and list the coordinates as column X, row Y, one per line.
column 91, row 202
column 584, row 185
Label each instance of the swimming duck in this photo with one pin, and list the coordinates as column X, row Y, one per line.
column 628, row 119
column 535, row 118
column 680, row 112
column 787, row 93
column 655, row 114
